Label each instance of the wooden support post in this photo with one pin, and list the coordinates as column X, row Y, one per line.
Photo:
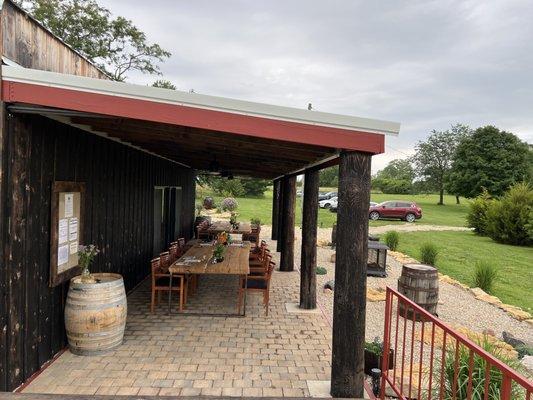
column 309, row 229
column 347, row 375
column 275, row 209
column 288, row 220
column 280, row 217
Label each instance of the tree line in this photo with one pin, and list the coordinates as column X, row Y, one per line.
column 460, row 161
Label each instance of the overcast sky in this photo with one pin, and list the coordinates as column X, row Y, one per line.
column 426, row 64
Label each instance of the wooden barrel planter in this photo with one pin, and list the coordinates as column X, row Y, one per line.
column 419, row 283
column 95, row 314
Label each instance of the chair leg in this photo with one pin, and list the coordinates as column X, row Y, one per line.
column 152, row 302
column 181, row 294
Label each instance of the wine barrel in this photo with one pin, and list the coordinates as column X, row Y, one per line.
column 95, row 314
column 420, row 283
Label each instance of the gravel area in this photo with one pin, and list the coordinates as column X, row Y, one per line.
column 456, row 305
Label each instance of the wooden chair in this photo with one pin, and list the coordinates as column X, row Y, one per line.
column 161, row 282
column 181, row 242
column 173, row 251
column 259, row 282
column 202, row 231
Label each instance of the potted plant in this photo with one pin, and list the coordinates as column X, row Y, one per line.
column 233, row 221
column 374, row 355
column 218, row 253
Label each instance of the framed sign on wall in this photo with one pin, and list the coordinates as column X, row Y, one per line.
column 66, row 230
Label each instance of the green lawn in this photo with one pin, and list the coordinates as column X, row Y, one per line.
column 449, row 214
column 459, row 251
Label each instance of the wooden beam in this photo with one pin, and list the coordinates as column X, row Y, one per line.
column 309, row 231
column 275, row 209
column 349, row 307
column 287, row 245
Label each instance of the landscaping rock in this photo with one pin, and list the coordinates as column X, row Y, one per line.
column 527, row 362
column 516, row 312
column 484, row 296
column 330, row 285
column 378, row 294
column 513, row 341
column 332, row 258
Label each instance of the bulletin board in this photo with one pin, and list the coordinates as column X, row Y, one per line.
column 66, row 230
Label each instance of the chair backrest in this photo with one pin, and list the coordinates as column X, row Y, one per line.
column 181, row 242
column 155, row 265
column 165, row 261
column 173, row 253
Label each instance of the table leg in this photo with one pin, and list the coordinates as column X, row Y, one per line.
column 170, row 293
column 245, row 294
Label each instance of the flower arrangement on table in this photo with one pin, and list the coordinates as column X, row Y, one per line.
column 86, row 255
column 218, row 253
column 233, row 221
column 223, row 238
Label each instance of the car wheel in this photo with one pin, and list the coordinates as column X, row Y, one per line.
column 327, row 205
column 410, row 217
column 374, row 215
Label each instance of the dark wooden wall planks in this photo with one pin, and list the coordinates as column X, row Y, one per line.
column 118, row 218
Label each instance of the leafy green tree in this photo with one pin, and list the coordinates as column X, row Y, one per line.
column 164, row 84
column 396, row 178
column 329, row 177
column 490, row 159
column 255, row 187
column 114, row 44
column 433, row 157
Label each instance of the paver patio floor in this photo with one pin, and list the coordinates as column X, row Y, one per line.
column 258, row 355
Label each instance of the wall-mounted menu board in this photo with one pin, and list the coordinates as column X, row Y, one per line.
column 67, row 228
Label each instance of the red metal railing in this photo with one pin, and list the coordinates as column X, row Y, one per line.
column 432, row 361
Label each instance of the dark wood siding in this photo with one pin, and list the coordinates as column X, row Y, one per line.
column 118, row 218
column 27, row 43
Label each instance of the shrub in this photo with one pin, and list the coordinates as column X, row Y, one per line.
column 229, row 204
column 477, row 214
column 226, row 187
column 509, row 219
column 392, row 238
column 428, row 253
column 321, row 271
column 209, row 203
column 255, row 221
column 478, row 373
column 255, row 187
column 484, row 275
column 199, row 209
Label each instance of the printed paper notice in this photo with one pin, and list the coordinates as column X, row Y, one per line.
column 73, row 247
column 62, row 255
column 63, row 231
column 72, row 229
column 69, row 205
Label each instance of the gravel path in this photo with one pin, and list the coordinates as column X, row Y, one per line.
column 456, row 305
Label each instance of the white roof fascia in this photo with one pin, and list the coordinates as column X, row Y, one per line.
column 195, row 100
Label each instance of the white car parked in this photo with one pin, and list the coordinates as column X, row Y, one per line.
column 328, row 203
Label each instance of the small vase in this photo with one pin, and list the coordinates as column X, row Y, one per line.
column 86, row 276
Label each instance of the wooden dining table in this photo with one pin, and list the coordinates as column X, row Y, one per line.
column 224, row 226
column 199, row 260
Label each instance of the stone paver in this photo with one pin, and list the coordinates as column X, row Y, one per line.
column 171, row 355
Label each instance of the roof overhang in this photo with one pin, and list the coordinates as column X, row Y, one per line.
column 169, row 123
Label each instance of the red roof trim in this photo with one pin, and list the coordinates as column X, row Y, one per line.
column 194, row 117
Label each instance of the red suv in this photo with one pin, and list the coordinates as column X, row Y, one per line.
column 406, row 210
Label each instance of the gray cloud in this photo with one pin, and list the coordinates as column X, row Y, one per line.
column 426, row 64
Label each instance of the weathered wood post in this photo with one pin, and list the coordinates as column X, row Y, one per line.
column 275, row 209
column 309, row 230
column 288, row 220
column 280, row 232
column 347, row 375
